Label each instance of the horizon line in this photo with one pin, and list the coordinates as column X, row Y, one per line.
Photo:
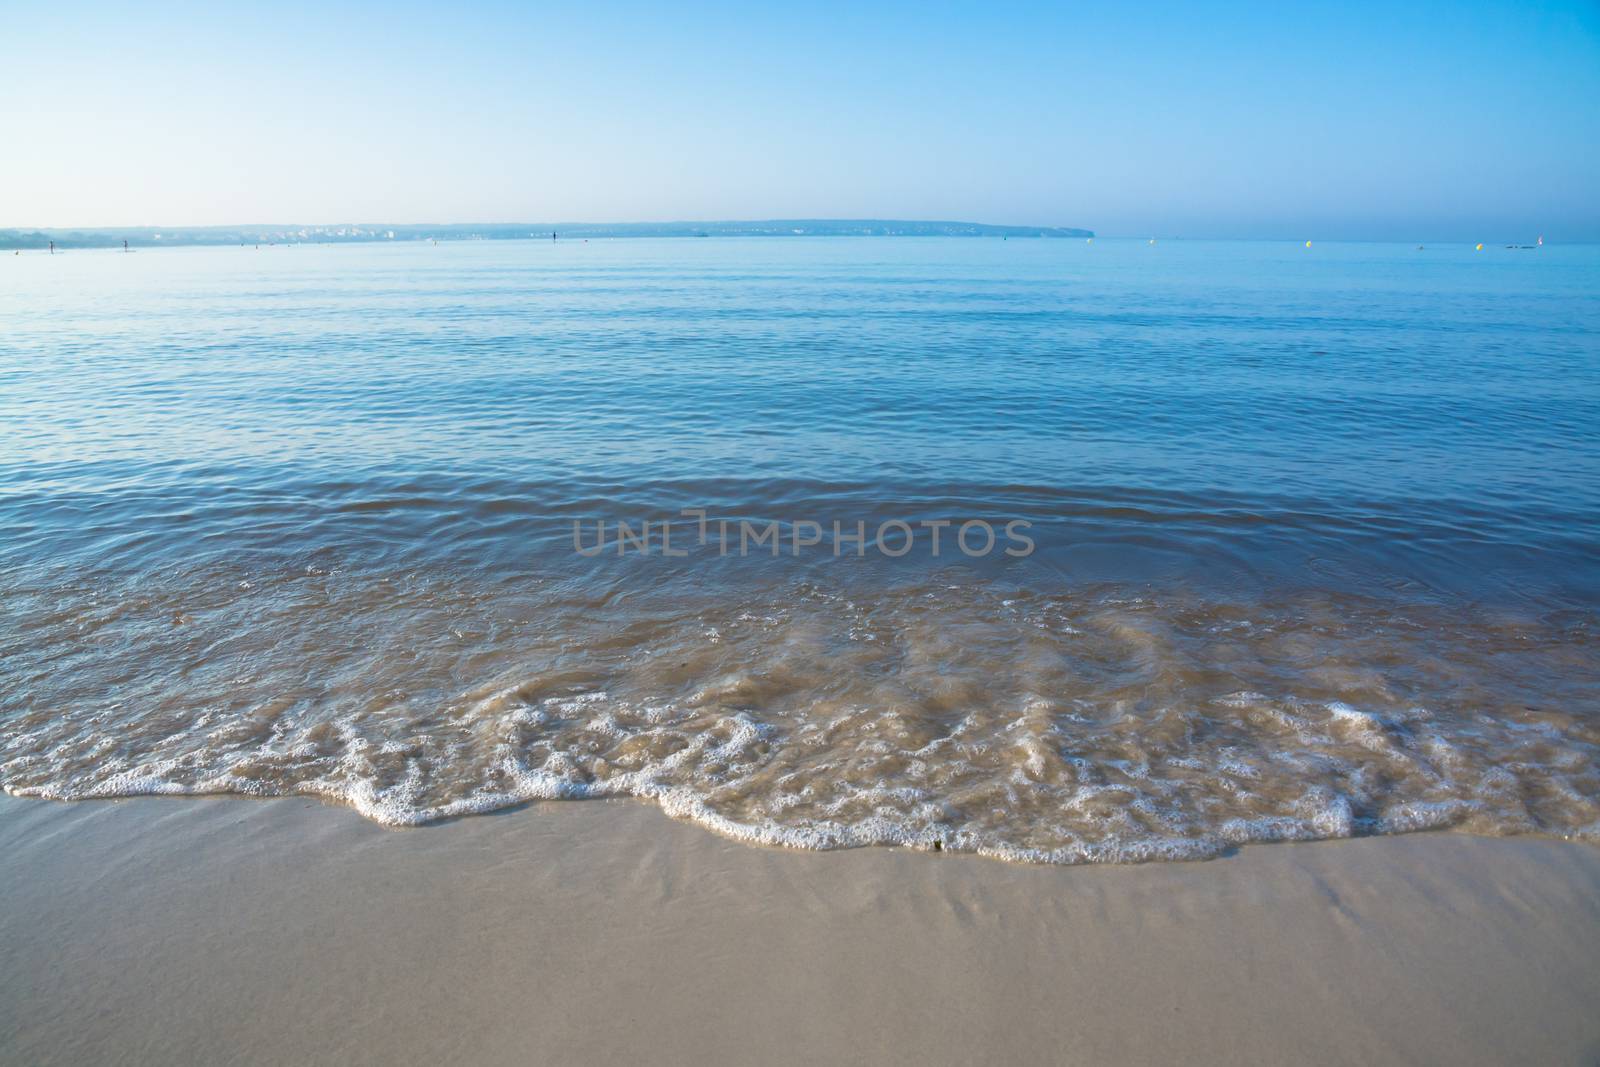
column 17, row 236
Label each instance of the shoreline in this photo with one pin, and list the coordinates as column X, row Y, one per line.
column 153, row 929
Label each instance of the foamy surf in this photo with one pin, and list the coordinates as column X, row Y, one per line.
column 963, row 717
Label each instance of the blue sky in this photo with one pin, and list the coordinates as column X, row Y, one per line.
column 1460, row 121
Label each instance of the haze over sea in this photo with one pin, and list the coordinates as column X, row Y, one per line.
column 1311, row 535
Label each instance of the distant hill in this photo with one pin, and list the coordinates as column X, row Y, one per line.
column 157, row 236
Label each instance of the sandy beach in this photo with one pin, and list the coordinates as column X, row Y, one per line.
column 212, row 930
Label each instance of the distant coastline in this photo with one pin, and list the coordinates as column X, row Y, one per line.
column 159, row 236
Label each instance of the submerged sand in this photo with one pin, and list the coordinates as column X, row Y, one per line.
column 212, row 930
column 1098, row 723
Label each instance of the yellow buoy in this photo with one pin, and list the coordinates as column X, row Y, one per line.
column 1308, row 244
column 1479, row 248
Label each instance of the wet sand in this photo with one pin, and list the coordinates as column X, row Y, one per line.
column 212, row 930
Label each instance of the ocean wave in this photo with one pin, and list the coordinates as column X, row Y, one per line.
column 1105, row 724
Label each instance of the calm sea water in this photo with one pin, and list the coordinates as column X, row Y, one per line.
column 1309, row 535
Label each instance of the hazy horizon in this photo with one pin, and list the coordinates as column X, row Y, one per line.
column 1435, row 123
column 1489, row 238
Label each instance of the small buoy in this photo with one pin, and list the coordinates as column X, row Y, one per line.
column 1479, row 248
column 1152, row 240
column 1088, row 240
column 1308, row 244
column 1541, row 242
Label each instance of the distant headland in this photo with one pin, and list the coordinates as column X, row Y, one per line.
column 158, row 236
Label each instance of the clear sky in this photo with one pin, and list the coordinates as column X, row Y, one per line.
column 1342, row 120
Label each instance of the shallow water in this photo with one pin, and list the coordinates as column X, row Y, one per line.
column 1308, row 535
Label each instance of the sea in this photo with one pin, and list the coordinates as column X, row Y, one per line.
column 1054, row 551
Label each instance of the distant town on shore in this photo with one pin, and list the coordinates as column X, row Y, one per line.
column 158, row 236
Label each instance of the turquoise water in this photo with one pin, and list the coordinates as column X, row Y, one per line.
column 1243, row 394
column 302, row 519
